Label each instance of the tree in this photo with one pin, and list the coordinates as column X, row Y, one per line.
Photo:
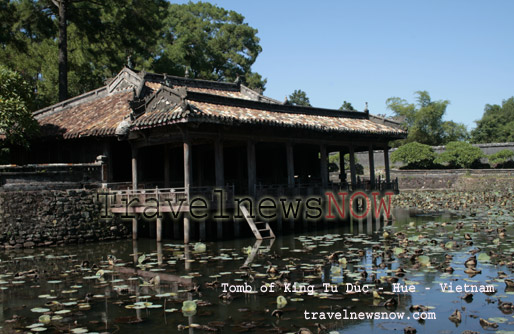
column 500, row 158
column 299, row 98
column 346, row 106
column 496, row 124
column 100, row 37
column 460, row 154
column 453, row 131
column 209, row 42
column 424, row 120
column 414, row 155
column 16, row 122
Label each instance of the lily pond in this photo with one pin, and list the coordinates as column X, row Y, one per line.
column 145, row 287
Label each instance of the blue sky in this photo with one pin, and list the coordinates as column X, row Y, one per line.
column 368, row 51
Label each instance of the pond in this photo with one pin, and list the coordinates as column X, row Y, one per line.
column 95, row 287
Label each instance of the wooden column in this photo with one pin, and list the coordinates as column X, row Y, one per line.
column 252, row 168
column 386, row 163
column 134, row 167
column 290, row 165
column 107, row 153
column 219, row 167
column 187, row 185
column 371, row 166
column 166, row 167
column 353, row 173
column 158, row 229
column 134, row 227
column 342, row 172
column 134, row 187
column 323, row 165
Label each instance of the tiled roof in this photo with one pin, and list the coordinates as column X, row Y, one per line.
column 212, row 112
column 98, row 117
column 172, row 100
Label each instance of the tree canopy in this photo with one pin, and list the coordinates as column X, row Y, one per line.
column 496, row 124
column 210, row 42
column 424, row 120
column 346, row 106
column 16, row 122
column 299, row 98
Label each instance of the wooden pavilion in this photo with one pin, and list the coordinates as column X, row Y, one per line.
column 172, row 136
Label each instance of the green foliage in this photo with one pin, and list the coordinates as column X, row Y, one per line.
column 414, row 155
column 496, row 124
column 101, row 35
column 460, row 154
column 16, row 121
column 453, row 131
column 346, row 106
column 500, row 157
column 210, row 42
column 299, row 98
column 334, row 163
column 424, row 120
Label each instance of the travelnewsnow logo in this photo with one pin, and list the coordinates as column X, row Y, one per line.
column 330, row 205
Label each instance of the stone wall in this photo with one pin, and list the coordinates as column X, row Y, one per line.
column 456, row 179
column 51, row 176
column 54, row 217
column 488, row 149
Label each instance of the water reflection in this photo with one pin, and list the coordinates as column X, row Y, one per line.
column 128, row 298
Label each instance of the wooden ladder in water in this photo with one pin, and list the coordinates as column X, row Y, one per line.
column 261, row 230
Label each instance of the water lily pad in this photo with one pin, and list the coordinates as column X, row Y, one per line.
column 40, row 310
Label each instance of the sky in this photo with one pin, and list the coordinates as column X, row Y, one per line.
column 367, row 51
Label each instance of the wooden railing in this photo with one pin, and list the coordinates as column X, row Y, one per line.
column 165, row 196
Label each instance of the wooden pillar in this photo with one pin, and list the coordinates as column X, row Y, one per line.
column 134, row 227
column 158, row 229
column 187, row 185
column 219, row 228
column 203, row 230
column 386, row 164
column 290, row 165
column 166, row 167
column 323, row 165
column 219, row 166
column 252, row 168
column 342, row 172
column 134, row 167
column 371, row 166
column 107, row 153
column 353, row 173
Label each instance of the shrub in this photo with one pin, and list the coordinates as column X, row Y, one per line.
column 333, row 163
column 414, row 155
column 500, row 157
column 460, row 154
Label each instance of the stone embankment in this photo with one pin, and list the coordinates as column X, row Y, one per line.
column 54, row 217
